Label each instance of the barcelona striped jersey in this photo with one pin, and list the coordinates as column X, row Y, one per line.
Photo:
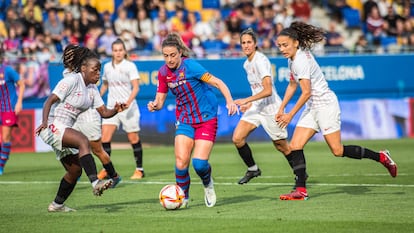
column 195, row 99
column 8, row 94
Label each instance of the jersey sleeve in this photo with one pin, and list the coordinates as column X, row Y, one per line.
column 105, row 72
column 264, row 68
column 162, row 86
column 12, row 73
column 302, row 67
column 97, row 99
column 133, row 72
column 65, row 86
column 194, row 69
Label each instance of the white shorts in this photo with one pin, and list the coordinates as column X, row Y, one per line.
column 89, row 123
column 53, row 137
column 326, row 119
column 267, row 121
column 92, row 130
column 129, row 119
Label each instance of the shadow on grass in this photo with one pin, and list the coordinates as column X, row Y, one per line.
column 240, row 199
column 117, row 207
column 351, row 190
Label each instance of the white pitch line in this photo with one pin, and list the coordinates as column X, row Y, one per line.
column 223, row 183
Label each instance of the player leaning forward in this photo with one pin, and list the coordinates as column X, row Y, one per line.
column 72, row 96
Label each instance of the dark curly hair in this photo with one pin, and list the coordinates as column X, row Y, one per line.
column 306, row 34
column 74, row 56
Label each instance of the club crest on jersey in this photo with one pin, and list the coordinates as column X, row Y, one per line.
column 181, row 80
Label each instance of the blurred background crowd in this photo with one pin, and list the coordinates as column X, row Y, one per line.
column 40, row 29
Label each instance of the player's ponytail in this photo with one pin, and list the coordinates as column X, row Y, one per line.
column 69, row 56
column 307, row 35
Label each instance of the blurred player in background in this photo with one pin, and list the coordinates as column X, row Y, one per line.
column 259, row 108
column 11, row 102
column 321, row 113
column 121, row 80
column 196, row 113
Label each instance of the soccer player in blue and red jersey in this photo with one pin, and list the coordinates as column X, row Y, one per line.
column 11, row 102
column 196, row 113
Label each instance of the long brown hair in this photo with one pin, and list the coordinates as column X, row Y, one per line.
column 174, row 40
column 307, row 35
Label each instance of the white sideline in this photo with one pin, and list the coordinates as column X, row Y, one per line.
column 221, row 183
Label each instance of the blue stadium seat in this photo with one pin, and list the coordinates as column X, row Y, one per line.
column 197, row 15
column 170, row 14
column 225, row 12
column 117, row 3
column 215, row 4
column 352, row 18
column 213, row 46
column 388, row 40
column 153, row 14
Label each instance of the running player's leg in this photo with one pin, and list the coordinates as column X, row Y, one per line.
column 67, row 183
column 130, row 124
column 183, row 146
column 74, row 138
column 8, row 120
column 240, row 134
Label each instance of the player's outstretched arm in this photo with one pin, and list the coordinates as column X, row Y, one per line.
column 157, row 103
column 219, row 84
column 108, row 113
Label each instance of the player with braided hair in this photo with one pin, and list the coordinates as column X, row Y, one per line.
column 89, row 122
column 72, row 96
column 321, row 113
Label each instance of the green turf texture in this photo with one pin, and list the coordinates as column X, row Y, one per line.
column 346, row 195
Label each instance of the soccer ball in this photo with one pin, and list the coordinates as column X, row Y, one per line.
column 171, row 197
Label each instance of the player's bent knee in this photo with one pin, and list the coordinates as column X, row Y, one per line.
column 337, row 152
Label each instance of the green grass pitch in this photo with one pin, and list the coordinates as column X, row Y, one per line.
column 346, row 195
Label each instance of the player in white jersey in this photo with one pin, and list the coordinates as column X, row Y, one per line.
column 259, row 108
column 121, row 80
column 89, row 121
column 322, row 112
column 70, row 97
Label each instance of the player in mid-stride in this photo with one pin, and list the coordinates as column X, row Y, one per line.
column 196, row 113
column 322, row 112
column 259, row 108
column 72, row 96
column 89, row 121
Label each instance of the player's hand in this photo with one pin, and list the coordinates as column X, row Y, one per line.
column 40, row 128
column 232, row 109
column 283, row 120
column 119, row 107
column 244, row 107
column 152, row 106
column 240, row 102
